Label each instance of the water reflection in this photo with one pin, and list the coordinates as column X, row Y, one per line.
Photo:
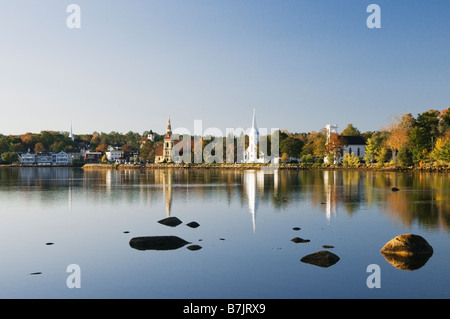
column 423, row 199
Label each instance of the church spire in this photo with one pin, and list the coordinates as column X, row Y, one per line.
column 168, row 129
column 254, row 119
column 71, row 134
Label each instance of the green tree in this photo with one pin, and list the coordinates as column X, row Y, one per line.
column 372, row 148
column 350, row 130
column 350, row 160
column 405, row 156
column 291, row 146
column 441, row 151
column 429, row 122
column 5, row 144
column 9, row 157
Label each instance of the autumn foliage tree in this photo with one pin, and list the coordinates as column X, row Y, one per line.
column 334, row 148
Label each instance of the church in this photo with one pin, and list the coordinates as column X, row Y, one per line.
column 251, row 153
column 163, row 152
column 355, row 145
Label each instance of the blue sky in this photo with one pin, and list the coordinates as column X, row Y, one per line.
column 301, row 64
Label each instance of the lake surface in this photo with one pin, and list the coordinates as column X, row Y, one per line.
column 51, row 218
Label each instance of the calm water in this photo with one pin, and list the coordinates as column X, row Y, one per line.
column 246, row 225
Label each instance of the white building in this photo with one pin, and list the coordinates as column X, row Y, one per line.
column 113, row 154
column 251, row 153
column 28, row 158
column 45, row 158
column 355, row 145
column 61, row 158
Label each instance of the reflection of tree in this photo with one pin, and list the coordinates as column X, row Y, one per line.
column 424, row 198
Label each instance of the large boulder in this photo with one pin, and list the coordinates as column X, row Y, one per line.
column 157, row 243
column 321, row 258
column 407, row 252
column 407, row 245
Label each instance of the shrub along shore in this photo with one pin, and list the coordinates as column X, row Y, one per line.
column 423, row 168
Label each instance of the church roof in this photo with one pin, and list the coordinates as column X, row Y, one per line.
column 353, row 140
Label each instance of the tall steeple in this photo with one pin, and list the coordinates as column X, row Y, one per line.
column 168, row 143
column 251, row 154
column 168, row 129
column 71, row 134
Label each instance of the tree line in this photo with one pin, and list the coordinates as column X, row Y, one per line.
column 406, row 141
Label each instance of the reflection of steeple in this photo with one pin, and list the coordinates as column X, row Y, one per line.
column 330, row 194
column 167, row 190
column 250, row 189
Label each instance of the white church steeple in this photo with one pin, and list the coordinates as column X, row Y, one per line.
column 71, row 133
column 251, row 153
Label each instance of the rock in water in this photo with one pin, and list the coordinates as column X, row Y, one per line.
column 193, row 224
column 406, row 245
column 407, row 252
column 300, row 240
column 194, row 247
column 157, row 243
column 321, row 258
column 170, row 221
column 395, row 189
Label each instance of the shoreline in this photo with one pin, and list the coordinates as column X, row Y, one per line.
column 298, row 167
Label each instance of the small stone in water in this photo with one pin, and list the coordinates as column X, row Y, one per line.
column 194, row 247
column 300, row 240
column 193, row 224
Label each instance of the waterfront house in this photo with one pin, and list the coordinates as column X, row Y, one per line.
column 27, row 158
column 92, row 157
column 61, row 158
column 44, row 158
column 75, row 154
column 113, row 154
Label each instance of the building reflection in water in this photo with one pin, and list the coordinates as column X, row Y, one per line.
column 254, row 182
column 167, row 191
column 329, row 179
column 423, row 197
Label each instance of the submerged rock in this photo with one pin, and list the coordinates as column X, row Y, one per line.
column 395, row 189
column 194, row 247
column 321, row 258
column 157, row 243
column 193, row 224
column 407, row 252
column 300, row 240
column 170, row 221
